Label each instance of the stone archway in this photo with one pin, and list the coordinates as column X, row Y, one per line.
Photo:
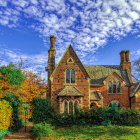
column 94, row 104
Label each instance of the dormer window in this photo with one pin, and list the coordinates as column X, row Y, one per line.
column 109, row 87
column 114, row 87
column 118, row 87
column 70, row 76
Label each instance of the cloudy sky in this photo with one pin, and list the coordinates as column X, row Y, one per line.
column 97, row 29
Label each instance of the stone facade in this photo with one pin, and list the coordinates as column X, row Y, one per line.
column 89, row 88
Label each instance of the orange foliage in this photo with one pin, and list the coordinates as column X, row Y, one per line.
column 32, row 87
column 5, row 86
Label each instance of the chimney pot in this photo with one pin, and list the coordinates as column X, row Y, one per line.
column 122, row 55
column 127, row 55
column 52, row 42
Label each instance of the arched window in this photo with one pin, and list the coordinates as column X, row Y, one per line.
column 72, row 76
column 116, row 102
column 114, row 87
column 119, row 106
column 109, row 87
column 71, row 107
column 110, row 105
column 67, row 76
column 65, row 106
column 75, row 106
column 118, row 87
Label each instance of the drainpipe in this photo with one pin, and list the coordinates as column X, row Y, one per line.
column 129, row 97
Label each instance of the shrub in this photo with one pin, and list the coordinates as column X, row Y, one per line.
column 42, row 130
column 14, row 102
column 14, row 75
column 42, row 110
column 98, row 116
column 129, row 117
column 4, row 133
column 5, row 115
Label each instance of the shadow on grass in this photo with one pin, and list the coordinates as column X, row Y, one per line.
column 79, row 131
column 96, row 132
column 121, row 131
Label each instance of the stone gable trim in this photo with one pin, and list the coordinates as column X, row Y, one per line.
column 135, row 91
column 116, row 75
column 70, row 91
column 51, row 77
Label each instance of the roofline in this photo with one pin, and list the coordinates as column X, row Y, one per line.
column 71, row 95
column 134, row 92
column 63, row 57
column 97, row 85
column 101, row 65
column 112, row 74
column 59, row 62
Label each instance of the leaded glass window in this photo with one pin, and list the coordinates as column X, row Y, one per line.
column 114, row 87
column 72, row 76
column 68, row 76
column 65, row 107
column 109, row 87
column 75, row 106
column 118, row 87
column 71, row 107
column 117, row 103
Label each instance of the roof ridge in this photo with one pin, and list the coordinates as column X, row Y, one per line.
column 101, row 65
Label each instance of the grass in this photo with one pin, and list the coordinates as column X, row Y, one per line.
column 97, row 133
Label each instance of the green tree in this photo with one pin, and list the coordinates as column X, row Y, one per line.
column 13, row 74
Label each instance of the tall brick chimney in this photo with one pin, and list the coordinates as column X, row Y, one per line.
column 125, row 60
column 122, row 55
column 127, row 55
column 51, row 62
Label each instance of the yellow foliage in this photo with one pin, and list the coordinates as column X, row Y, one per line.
column 5, row 115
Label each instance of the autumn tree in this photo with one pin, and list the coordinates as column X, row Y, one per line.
column 25, row 84
column 11, row 79
column 136, row 69
column 32, row 87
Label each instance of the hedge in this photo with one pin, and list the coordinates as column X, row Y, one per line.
column 5, row 115
column 42, row 110
column 14, row 102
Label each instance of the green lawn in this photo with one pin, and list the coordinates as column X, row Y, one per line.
column 98, row 133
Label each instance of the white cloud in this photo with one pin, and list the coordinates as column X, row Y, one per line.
column 3, row 3
column 138, row 52
column 86, row 24
column 21, row 3
column 35, row 63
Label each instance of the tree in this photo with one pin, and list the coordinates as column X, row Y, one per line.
column 136, row 69
column 32, row 87
column 12, row 74
column 11, row 79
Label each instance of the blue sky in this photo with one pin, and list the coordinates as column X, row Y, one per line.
column 97, row 29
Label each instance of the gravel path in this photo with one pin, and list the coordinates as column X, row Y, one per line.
column 21, row 135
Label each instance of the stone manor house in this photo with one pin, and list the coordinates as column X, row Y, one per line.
column 72, row 84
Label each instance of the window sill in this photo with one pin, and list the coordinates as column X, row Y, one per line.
column 114, row 93
column 70, row 84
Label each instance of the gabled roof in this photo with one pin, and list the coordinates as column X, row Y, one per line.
column 69, row 47
column 116, row 75
column 70, row 91
column 94, row 95
column 136, row 89
column 98, row 73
